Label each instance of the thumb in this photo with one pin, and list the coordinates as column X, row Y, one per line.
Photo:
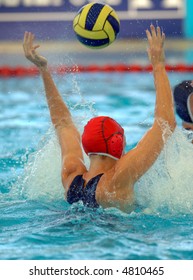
column 36, row 46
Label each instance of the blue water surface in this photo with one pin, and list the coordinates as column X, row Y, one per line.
column 35, row 220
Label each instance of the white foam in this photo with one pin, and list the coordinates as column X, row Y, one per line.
column 42, row 173
column 169, row 183
column 41, row 178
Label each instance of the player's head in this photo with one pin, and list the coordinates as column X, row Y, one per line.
column 103, row 136
column 183, row 93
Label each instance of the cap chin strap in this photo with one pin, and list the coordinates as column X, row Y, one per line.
column 103, row 154
column 189, row 109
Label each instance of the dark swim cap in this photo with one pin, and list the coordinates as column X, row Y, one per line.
column 103, row 136
column 181, row 97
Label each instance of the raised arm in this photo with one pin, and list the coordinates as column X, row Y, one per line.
column 136, row 162
column 164, row 107
column 59, row 112
column 68, row 135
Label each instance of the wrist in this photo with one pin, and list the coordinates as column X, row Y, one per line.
column 158, row 66
column 43, row 68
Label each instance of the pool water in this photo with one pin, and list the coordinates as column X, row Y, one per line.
column 35, row 220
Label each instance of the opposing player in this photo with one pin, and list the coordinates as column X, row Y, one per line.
column 183, row 99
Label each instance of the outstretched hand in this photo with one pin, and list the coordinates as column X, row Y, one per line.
column 30, row 51
column 156, row 40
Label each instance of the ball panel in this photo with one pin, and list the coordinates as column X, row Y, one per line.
column 114, row 23
column 96, row 35
column 110, row 31
column 115, row 16
column 93, row 15
column 94, row 43
column 100, row 21
column 83, row 15
column 75, row 21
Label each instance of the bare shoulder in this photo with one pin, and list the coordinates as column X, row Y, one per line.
column 115, row 191
column 121, row 174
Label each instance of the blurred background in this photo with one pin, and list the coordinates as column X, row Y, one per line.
column 51, row 21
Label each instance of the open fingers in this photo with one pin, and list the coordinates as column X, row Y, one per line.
column 31, row 39
column 151, row 34
column 153, row 31
column 28, row 43
column 155, row 35
column 163, row 38
column 148, row 34
column 25, row 48
column 25, row 38
column 28, row 38
column 159, row 35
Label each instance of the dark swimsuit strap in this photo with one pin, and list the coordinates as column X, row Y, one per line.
column 77, row 191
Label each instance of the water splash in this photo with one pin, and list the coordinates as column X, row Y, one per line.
column 41, row 178
column 167, row 186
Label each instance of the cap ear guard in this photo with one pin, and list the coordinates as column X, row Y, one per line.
column 116, row 145
column 189, row 107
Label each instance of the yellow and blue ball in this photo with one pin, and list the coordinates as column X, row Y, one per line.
column 96, row 25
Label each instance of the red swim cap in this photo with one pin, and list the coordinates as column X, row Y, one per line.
column 103, row 136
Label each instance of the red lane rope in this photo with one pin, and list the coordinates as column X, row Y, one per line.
column 21, row 71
